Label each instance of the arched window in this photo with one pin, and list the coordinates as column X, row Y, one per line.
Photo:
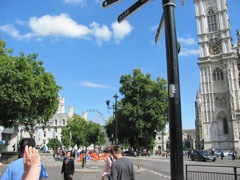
column 218, row 75
column 225, row 126
column 212, row 21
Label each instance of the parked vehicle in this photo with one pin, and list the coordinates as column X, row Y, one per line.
column 202, row 156
column 218, row 153
column 129, row 153
column 225, row 153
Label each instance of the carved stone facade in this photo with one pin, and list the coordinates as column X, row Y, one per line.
column 217, row 103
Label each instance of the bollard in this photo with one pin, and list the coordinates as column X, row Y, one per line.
column 138, row 162
column 83, row 161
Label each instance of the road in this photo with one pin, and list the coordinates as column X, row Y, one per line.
column 154, row 168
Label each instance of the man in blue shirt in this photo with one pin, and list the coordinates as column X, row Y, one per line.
column 15, row 170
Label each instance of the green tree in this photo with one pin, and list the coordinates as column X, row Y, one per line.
column 74, row 132
column 54, row 144
column 81, row 132
column 95, row 134
column 28, row 94
column 143, row 109
column 109, row 128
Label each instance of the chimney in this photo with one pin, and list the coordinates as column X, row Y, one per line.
column 70, row 111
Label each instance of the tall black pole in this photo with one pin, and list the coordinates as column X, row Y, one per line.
column 116, row 124
column 175, row 124
column 113, row 125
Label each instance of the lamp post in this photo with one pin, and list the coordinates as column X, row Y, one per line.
column 175, row 121
column 114, row 107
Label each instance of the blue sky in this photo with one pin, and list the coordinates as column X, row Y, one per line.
column 87, row 50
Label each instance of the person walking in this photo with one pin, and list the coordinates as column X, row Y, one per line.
column 122, row 168
column 233, row 155
column 107, row 168
column 68, row 167
column 222, row 155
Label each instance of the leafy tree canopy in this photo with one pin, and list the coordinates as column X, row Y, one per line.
column 28, row 94
column 54, row 144
column 143, row 109
column 82, row 132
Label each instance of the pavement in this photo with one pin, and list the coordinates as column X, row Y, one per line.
column 92, row 170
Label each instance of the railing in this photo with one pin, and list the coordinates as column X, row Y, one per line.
column 210, row 172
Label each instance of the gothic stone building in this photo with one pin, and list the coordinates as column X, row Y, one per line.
column 217, row 103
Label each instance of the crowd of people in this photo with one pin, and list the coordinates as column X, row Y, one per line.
column 30, row 167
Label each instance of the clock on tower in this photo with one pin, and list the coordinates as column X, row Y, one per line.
column 215, row 47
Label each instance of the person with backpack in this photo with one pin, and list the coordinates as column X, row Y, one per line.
column 68, row 167
column 107, row 168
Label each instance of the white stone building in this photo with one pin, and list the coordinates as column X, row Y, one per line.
column 217, row 104
column 53, row 129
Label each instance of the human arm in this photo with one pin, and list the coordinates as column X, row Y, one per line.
column 32, row 164
column 63, row 165
column 106, row 167
column 73, row 167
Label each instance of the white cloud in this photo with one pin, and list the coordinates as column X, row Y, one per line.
column 10, row 30
column 80, row 2
column 93, row 85
column 61, row 25
column 154, row 28
column 121, row 30
column 101, row 33
column 187, row 41
column 188, row 52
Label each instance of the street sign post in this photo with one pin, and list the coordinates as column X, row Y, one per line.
column 172, row 50
column 108, row 3
column 88, row 158
column 159, row 30
column 131, row 9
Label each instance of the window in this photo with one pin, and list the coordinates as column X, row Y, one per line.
column 218, row 75
column 55, row 130
column 44, row 141
column 159, row 138
column 212, row 21
column 44, row 135
column 55, row 121
column 225, row 126
column 64, row 122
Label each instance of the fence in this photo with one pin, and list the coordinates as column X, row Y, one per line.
column 210, row 172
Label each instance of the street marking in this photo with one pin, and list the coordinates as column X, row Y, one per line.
column 159, row 174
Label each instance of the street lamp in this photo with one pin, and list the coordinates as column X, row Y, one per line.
column 114, row 107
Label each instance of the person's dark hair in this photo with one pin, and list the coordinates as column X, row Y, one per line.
column 70, row 152
column 26, row 141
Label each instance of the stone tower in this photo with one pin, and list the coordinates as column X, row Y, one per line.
column 217, row 104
